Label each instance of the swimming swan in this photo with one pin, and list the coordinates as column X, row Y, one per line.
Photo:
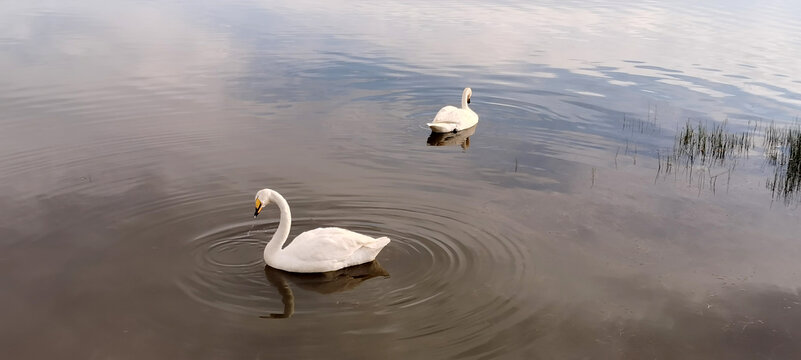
column 452, row 119
column 318, row 250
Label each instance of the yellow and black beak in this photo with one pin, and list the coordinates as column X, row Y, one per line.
column 258, row 208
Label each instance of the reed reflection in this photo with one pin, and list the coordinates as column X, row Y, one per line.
column 323, row 283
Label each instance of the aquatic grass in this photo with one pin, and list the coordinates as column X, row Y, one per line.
column 782, row 148
column 706, row 152
column 711, row 145
column 633, row 126
column 704, row 145
column 650, row 125
column 700, row 148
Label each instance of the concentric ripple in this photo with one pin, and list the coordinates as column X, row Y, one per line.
column 454, row 263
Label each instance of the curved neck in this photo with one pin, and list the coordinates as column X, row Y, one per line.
column 464, row 100
column 282, row 233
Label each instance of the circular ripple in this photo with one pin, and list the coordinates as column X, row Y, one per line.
column 446, row 269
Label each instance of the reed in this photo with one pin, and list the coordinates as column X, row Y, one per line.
column 783, row 151
column 699, row 148
column 704, row 145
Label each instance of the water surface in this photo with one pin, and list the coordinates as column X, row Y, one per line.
column 135, row 135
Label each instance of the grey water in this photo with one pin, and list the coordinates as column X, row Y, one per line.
column 134, row 135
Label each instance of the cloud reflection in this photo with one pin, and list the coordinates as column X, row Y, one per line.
column 591, row 39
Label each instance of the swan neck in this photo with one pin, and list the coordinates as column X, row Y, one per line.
column 282, row 233
column 464, row 100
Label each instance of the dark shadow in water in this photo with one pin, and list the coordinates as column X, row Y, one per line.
column 323, row 283
column 461, row 138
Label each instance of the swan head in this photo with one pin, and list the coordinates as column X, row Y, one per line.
column 466, row 95
column 262, row 199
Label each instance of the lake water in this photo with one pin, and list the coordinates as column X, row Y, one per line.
column 134, row 135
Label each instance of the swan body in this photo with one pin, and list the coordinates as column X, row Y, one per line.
column 453, row 119
column 318, row 250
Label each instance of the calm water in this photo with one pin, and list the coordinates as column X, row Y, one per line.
column 136, row 133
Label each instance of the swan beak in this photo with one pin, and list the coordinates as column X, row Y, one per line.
column 468, row 100
column 258, row 208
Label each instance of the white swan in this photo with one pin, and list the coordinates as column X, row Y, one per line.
column 318, row 250
column 452, row 119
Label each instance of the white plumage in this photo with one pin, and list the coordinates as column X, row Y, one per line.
column 318, row 250
column 453, row 119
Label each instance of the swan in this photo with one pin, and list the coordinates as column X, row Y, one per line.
column 314, row 251
column 452, row 119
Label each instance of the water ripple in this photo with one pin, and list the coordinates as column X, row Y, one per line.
column 434, row 253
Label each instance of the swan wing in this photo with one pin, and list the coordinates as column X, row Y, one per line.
column 448, row 114
column 328, row 244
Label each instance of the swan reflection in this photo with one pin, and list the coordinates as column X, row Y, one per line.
column 323, row 283
column 461, row 138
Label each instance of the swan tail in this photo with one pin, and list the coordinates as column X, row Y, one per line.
column 378, row 243
column 442, row 127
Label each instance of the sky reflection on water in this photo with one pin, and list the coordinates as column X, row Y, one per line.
column 134, row 134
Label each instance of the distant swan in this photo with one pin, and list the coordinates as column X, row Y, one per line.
column 318, row 250
column 452, row 119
